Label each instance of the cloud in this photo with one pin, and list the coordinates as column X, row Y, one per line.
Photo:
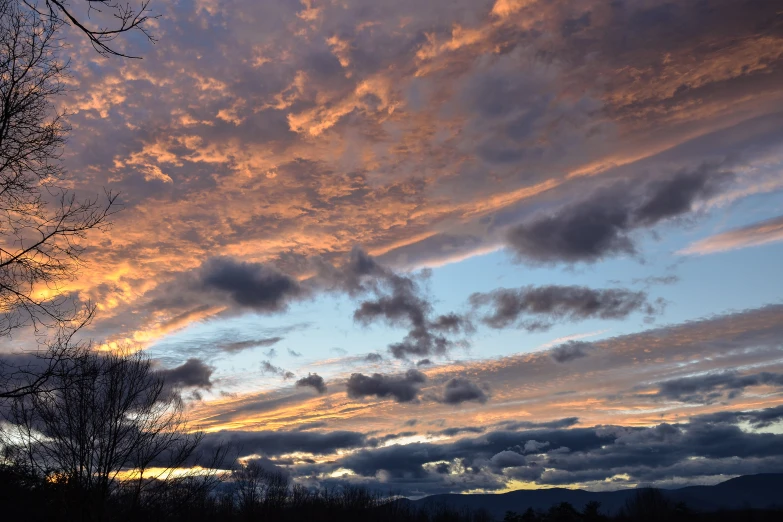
column 403, row 388
column 249, row 285
column 756, row 418
column 761, row 233
column 570, row 351
column 549, row 303
column 293, row 353
column 269, row 368
column 313, row 380
column 311, row 425
column 399, row 301
column 450, row 432
column 600, row 226
column 700, row 448
column 275, row 443
column 299, row 153
column 555, row 424
column 712, row 387
column 193, row 373
column 534, row 446
column 459, row 390
column 239, row 346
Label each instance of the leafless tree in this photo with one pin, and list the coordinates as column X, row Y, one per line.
column 105, row 424
column 113, row 18
column 41, row 225
column 257, row 488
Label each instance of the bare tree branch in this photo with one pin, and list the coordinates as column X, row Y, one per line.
column 125, row 18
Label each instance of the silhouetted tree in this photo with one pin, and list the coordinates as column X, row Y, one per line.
column 41, row 225
column 648, row 504
column 107, row 425
column 563, row 512
column 591, row 512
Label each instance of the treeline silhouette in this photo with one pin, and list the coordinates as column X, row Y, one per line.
column 647, row 505
column 252, row 493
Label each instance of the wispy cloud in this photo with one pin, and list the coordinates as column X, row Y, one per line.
column 761, row 233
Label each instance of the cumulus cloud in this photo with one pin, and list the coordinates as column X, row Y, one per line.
column 249, row 285
column 570, row 351
column 402, row 388
column 534, row 446
column 545, row 304
column 194, row 373
column 399, row 300
column 601, row 225
column 459, row 390
column 702, row 447
column 313, row 380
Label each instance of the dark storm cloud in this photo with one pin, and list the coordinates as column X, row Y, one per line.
column 253, row 343
column 570, row 351
column 409, row 459
column 373, row 357
column 403, row 388
column 459, row 390
column 548, row 303
column 715, row 386
column 249, row 285
column 756, row 418
column 708, row 445
column 194, row 373
column 313, row 380
column 600, row 226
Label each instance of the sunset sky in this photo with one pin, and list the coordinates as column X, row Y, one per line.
column 449, row 246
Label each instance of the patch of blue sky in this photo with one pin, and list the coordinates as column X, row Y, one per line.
column 322, row 330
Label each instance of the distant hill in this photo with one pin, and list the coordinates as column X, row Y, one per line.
column 753, row 491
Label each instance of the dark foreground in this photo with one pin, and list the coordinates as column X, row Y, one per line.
column 274, row 499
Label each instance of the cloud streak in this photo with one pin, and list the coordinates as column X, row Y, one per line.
column 535, row 308
column 757, row 234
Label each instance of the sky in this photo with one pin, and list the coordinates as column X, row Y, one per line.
column 450, row 246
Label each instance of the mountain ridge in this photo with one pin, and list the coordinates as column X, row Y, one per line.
column 758, row 491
